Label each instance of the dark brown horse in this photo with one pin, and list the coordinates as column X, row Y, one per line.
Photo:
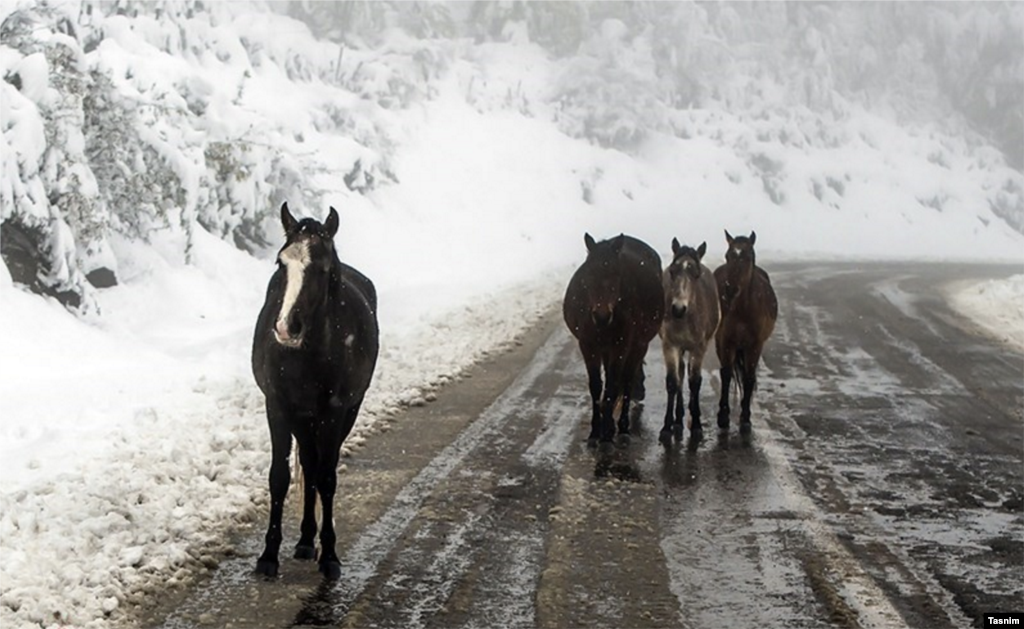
column 613, row 306
column 749, row 311
column 313, row 356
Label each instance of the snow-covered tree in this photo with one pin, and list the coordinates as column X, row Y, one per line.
column 610, row 92
column 978, row 55
column 53, row 229
column 123, row 117
column 356, row 23
column 559, row 27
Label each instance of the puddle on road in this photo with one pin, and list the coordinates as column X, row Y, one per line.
column 732, row 543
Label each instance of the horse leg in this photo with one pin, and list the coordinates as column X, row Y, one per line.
column 632, row 374
column 327, row 484
column 593, row 363
column 723, row 402
column 672, row 386
column 749, row 384
column 677, row 424
column 636, row 389
column 695, row 359
column 280, row 476
column 613, row 389
column 306, row 548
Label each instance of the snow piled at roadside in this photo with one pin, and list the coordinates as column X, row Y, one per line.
column 142, row 499
column 996, row 305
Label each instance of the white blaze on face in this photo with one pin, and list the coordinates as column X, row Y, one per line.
column 295, row 258
column 681, row 285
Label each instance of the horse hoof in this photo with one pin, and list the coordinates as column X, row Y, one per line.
column 331, row 570
column 592, row 442
column 665, row 436
column 266, row 567
column 723, row 422
column 305, row 552
column 696, row 434
column 745, row 427
column 624, row 439
column 677, row 431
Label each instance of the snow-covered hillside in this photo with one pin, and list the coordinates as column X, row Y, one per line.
column 467, row 151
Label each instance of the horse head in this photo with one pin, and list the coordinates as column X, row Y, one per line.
column 739, row 264
column 603, row 283
column 683, row 274
column 307, row 258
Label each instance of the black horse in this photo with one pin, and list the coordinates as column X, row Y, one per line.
column 613, row 306
column 313, row 355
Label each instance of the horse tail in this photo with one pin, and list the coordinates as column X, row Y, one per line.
column 299, row 481
column 298, row 477
column 739, row 363
column 739, row 368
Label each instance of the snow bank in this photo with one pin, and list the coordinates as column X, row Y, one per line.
column 133, row 443
column 997, row 305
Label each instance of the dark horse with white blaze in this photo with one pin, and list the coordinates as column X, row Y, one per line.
column 749, row 311
column 613, row 306
column 691, row 319
column 313, row 355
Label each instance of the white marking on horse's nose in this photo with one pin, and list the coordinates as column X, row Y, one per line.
column 351, row 338
column 295, row 258
column 281, row 328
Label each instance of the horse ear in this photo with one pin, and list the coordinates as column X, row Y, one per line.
column 728, row 237
column 331, row 224
column 753, row 237
column 675, row 246
column 617, row 243
column 701, row 250
column 589, row 241
column 287, row 220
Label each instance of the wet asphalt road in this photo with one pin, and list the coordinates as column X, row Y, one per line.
column 881, row 487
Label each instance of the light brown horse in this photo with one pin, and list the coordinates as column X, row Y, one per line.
column 691, row 318
column 749, row 311
column 613, row 306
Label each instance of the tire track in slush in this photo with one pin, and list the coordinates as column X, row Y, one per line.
column 834, row 565
column 907, row 426
column 420, row 564
column 745, row 544
column 502, row 589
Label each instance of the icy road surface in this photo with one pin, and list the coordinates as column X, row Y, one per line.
column 881, row 487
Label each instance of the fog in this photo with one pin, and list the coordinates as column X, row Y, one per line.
column 126, row 117
column 921, row 58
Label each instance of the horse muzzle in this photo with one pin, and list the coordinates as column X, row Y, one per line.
column 287, row 337
column 602, row 318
